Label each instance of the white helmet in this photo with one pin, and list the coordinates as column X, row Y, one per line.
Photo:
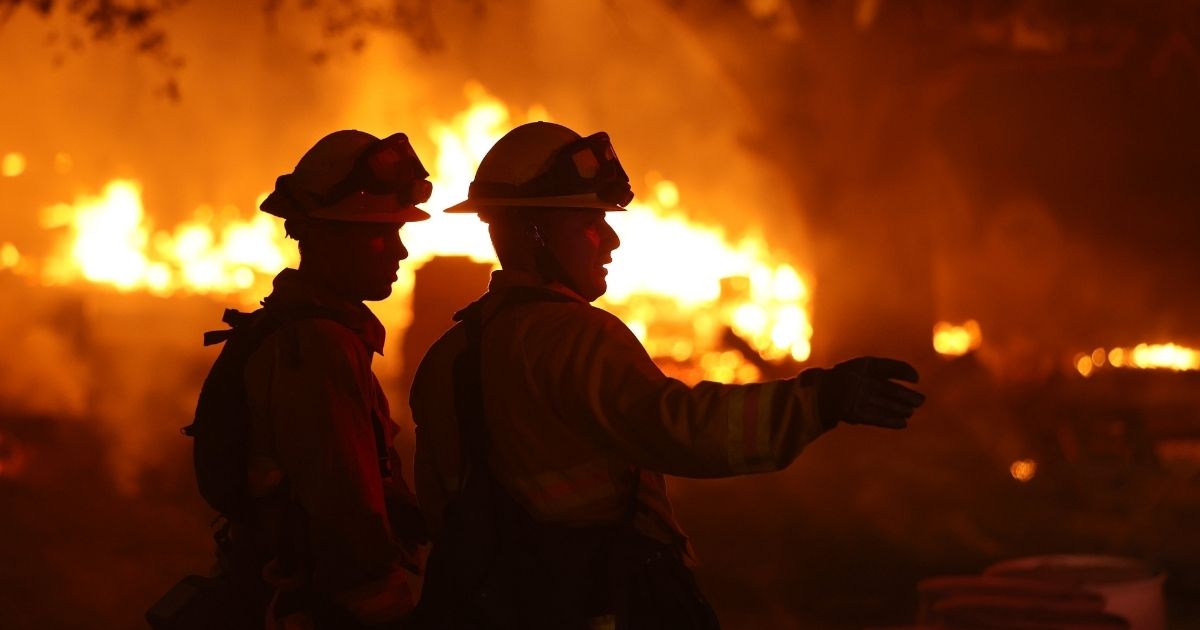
column 351, row 175
column 542, row 164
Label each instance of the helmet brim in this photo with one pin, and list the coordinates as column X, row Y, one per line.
column 408, row 214
column 586, row 201
column 359, row 208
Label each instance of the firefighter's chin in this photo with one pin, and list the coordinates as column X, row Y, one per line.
column 589, row 286
column 599, row 284
column 380, row 289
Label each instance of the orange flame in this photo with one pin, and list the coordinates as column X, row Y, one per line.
column 10, row 256
column 114, row 243
column 677, row 305
column 12, row 165
column 1023, row 470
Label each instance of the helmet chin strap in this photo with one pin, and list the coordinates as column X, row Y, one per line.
column 548, row 266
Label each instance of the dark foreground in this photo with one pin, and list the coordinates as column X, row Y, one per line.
column 837, row 541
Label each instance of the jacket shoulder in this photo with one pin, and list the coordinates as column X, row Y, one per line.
column 436, row 367
column 316, row 341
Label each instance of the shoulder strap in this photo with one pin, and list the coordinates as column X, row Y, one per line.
column 254, row 327
column 468, row 372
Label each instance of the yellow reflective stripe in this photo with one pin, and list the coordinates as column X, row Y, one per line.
column 751, row 418
column 734, row 445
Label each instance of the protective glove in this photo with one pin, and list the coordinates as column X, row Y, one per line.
column 862, row 391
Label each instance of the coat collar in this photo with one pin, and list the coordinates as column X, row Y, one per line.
column 293, row 289
column 509, row 278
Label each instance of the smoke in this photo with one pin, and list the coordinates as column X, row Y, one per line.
column 40, row 373
column 129, row 366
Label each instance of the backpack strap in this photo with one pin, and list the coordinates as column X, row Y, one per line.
column 249, row 330
column 236, row 320
column 468, row 373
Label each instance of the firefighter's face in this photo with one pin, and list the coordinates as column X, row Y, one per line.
column 583, row 242
column 358, row 260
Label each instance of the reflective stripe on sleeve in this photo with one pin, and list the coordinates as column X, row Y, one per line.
column 749, row 444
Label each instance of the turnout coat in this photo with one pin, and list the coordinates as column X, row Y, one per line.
column 575, row 409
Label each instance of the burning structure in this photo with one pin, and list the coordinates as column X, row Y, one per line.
column 813, row 182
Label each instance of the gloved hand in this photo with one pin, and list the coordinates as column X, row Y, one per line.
column 862, row 391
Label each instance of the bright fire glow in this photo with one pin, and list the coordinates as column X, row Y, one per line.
column 113, row 242
column 956, row 340
column 1164, row 356
column 12, row 165
column 677, row 304
column 9, row 256
column 1144, row 356
column 1023, row 470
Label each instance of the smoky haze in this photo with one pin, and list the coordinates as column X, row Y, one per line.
column 918, row 165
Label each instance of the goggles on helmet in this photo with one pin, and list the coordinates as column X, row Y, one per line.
column 587, row 165
column 387, row 166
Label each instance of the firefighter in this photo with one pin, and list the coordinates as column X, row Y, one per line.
column 324, row 526
column 544, row 429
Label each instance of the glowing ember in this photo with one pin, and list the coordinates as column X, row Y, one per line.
column 1144, row 356
column 1084, row 365
column 956, row 340
column 12, row 165
column 679, row 305
column 1023, row 470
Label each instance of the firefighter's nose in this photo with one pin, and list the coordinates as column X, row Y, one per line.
column 608, row 237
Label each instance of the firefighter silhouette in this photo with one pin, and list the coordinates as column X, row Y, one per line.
column 293, row 437
column 544, row 429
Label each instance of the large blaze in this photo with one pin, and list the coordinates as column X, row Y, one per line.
column 682, row 287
